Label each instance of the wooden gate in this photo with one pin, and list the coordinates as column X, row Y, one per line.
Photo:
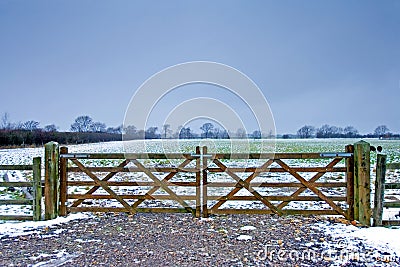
column 130, row 180
column 275, row 181
column 202, row 183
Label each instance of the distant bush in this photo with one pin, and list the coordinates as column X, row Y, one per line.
column 40, row 137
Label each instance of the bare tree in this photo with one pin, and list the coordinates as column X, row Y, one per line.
column 381, row 130
column 82, row 124
column 5, row 121
column 50, row 128
column 151, row 133
column 241, row 133
column 306, row 131
column 207, row 129
column 256, row 134
column 30, row 125
column 98, row 127
column 350, row 131
column 185, row 133
column 166, row 130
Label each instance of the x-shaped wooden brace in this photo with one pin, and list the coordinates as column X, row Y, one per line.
column 103, row 184
column 162, row 184
column 246, row 184
column 309, row 185
column 120, row 167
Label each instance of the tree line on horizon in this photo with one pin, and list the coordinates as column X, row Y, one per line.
column 331, row 131
column 85, row 130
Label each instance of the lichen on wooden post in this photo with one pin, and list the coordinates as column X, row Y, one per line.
column 37, row 189
column 51, row 191
column 379, row 189
column 362, row 188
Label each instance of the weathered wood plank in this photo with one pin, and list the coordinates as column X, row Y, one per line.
column 63, row 181
column 143, row 197
column 350, row 181
column 133, row 169
column 278, row 185
column 15, row 201
column 392, row 185
column 15, row 184
column 16, row 167
column 37, row 189
column 267, row 211
column 276, row 198
column 16, row 218
column 362, row 189
column 122, row 183
column 390, row 222
column 280, row 170
column 121, row 209
column 204, row 173
column 379, row 189
column 51, row 180
column 392, row 204
column 393, row 166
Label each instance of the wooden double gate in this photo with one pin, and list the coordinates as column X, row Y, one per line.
column 204, row 183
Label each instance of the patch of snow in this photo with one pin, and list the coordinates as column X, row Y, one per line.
column 248, row 228
column 60, row 258
column 13, row 229
column 244, row 237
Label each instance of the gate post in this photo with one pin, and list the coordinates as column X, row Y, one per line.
column 63, row 182
column 379, row 189
column 204, row 182
column 37, row 189
column 350, row 182
column 51, row 180
column 362, row 188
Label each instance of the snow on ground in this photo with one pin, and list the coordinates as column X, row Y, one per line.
column 13, row 229
column 366, row 244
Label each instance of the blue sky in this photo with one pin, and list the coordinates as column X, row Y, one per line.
column 335, row 62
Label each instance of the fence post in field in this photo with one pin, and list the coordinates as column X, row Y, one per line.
column 37, row 189
column 362, row 189
column 379, row 189
column 350, row 181
column 63, row 182
column 51, row 190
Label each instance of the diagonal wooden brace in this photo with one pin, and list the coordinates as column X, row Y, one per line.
column 248, row 187
column 104, row 185
column 106, row 178
column 238, row 187
column 312, row 188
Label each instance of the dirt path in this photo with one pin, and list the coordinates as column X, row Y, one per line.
column 168, row 240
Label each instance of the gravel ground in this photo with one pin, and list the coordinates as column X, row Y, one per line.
column 169, row 240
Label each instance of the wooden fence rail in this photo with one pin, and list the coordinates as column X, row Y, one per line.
column 36, row 186
column 380, row 186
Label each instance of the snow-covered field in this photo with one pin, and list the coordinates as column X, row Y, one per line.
column 382, row 241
